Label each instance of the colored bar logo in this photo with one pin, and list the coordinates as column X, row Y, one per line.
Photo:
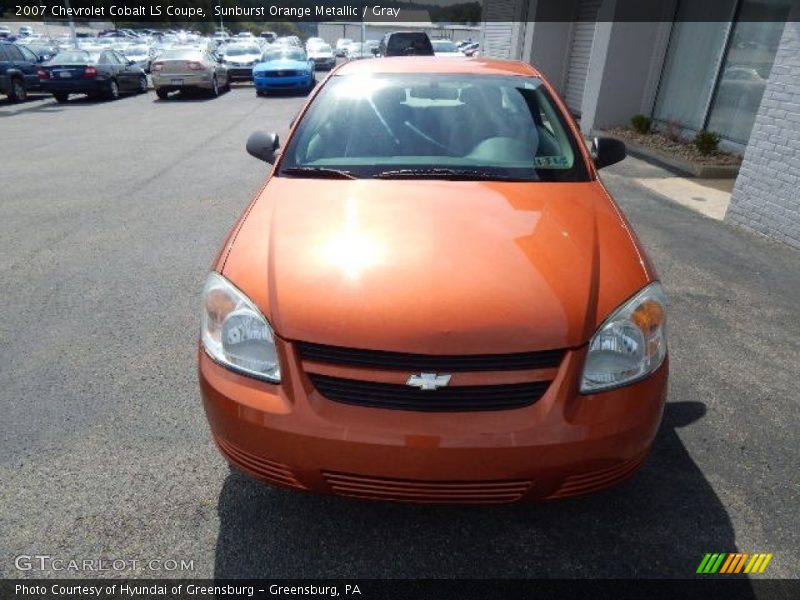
column 737, row 562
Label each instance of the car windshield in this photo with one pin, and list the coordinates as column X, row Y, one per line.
column 322, row 49
column 444, row 46
column 285, row 54
column 181, row 54
column 242, row 50
column 434, row 125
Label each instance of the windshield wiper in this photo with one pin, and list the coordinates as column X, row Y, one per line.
column 317, row 172
column 445, row 173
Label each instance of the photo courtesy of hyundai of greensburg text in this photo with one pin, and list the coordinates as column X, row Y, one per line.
column 403, row 299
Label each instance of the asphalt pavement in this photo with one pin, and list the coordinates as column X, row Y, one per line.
column 110, row 215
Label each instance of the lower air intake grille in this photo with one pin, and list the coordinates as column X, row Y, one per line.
column 403, row 397
column 409, row 490
column 262, row 468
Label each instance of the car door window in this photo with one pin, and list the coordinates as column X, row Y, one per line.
column 14, row 53
column 3, row 55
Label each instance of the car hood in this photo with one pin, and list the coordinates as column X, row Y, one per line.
column 433, row 266
column 274, row 65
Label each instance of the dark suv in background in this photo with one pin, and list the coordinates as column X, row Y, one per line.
column 18, row 71
column 406, row 43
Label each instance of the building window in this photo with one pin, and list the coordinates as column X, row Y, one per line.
column 715, row 73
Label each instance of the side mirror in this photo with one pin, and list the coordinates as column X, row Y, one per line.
column 131, row 63
column 607, row 151
column 375, row 51
column 264, row 146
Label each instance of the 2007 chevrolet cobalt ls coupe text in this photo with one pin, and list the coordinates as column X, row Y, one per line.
column 433, row 298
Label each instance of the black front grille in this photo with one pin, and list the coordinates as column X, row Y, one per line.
column 430, row 362
column 282, row 73
column 447, row 399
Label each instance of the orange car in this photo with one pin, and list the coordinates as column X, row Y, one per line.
column 433, row 297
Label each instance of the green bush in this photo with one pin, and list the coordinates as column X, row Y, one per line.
column 641, row 124
column 706, row 141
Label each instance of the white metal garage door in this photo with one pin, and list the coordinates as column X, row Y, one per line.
column 580, row 50
column 498, row 28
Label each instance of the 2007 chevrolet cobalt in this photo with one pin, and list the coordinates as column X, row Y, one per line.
column 433, row 298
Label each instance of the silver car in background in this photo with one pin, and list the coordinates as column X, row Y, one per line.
column 240, row 58
column 446, row 48
column 323, row 57
column 141, row 54
column 188, row 69
column 357, row 51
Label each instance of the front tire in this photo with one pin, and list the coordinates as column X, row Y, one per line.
column 162, row 94
column 143, row 84
column 61, row 97
column 18, row 91
column 214, row 87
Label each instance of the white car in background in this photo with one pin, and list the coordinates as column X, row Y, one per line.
column 322, row 55
column 445, row 48
column 241, row 58
column 313, row 42
column 358, row 51
column 341, row 45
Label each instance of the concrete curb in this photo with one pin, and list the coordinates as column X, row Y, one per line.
column 681, row 166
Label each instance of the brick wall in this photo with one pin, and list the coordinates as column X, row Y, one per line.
column 766, row 196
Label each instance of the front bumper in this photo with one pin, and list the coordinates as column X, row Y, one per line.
column 325, row 63
column 266, row 82
column 564, row 444
column 240, row 73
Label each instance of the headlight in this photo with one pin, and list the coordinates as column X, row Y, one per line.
column 630, row 344
column 235, row 333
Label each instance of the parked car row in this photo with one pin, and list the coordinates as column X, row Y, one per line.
column 118, row 61
column 404, row 43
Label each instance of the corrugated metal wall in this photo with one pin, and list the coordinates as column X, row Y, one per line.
column 580, row 51
column 500, row 29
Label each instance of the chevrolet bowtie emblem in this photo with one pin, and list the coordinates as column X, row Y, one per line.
column 428, row 381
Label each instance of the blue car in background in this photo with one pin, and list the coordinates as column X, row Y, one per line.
column 284, row 68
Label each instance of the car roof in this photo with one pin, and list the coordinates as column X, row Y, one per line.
column 430, row 64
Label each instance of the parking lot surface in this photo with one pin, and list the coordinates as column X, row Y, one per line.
column 110, row 216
